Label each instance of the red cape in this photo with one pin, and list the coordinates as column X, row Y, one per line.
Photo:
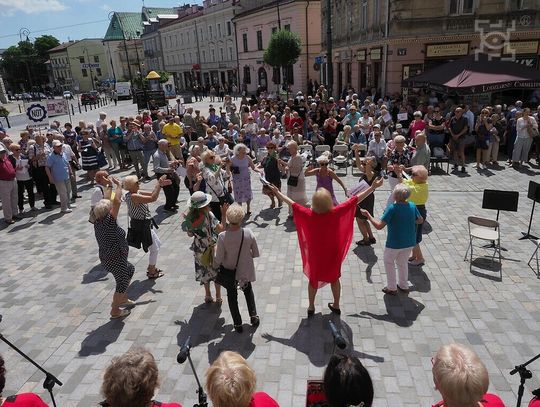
column 324, row 240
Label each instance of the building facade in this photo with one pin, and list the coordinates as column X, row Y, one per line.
column 255, row 26
column 79, row 66
column 378, row 43
column 199, row 48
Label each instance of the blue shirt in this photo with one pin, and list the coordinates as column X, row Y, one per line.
column 58, row 166
column 357, row 138
column 401, row 222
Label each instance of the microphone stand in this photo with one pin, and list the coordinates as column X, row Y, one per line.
column 202, row 395
column 524, row 374
column 50, row 379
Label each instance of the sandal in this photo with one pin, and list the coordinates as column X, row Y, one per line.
column 128, row 303
column 255, row 321
column 405, row 290
column 336, row 311
column 156, row 274
column 386, row 290
column 372, row 240
column 219, row 301
column 122, row 314
column 208, row 299
column 363, row 242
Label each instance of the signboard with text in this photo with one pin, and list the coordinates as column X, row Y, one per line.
column 447, row 50
column 37, row 114
column 90, row 66
column 57, row 107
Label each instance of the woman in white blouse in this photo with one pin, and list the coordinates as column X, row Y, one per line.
column 526, row 126
column 222, row 149
column 235, row 250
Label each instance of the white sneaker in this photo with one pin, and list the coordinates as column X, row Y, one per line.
column 67, row 211
column 72, row 206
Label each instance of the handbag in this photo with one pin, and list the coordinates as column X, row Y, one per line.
column 226, row 198
column 207, row 258
column 292, row 181
column 227, row 277
column 101, row 160
column 533, row 132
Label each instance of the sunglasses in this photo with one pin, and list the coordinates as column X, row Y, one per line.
column 323, row 165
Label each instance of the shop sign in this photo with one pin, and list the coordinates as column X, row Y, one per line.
column 447, row 50
column 375, row 54
column 361, row 55
column 521, row 48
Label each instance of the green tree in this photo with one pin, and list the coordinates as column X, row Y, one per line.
column 24, row 64
column 283, row 51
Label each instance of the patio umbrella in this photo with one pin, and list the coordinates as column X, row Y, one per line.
column 476, row 73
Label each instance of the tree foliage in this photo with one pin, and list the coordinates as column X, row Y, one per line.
column 283, row 49
column 23, row 65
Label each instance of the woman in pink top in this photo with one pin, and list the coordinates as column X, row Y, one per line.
column 230, row 381
column 417, row 125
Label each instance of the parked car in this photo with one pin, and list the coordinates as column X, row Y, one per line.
column 68, row 95
column 89, row 98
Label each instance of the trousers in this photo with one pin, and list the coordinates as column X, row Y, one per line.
column 29, row 186
column 171, row 192
column 232, row 299
column 8, row 196
column 64, row 190
column 137, row 159
column 396, row 258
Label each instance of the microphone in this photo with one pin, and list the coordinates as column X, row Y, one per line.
column 338, row 339
column 184, row 351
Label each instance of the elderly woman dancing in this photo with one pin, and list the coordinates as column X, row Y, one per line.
column 325, row 234
column 401, row 218
column 141, row 222
column 200, row 223
column 113, row 249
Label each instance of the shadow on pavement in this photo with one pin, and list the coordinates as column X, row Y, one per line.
column 485, row 268
column 49, row 220
column 233, row 341
column 95, row 274
column 140, row 287
column 368, row 256
column 204, row 325
column 400, row 310
column 314, row 339
column 419, row 279
column 97, row 340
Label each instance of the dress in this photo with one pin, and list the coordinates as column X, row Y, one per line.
column 204, row 236
column 326, row 182
column 324, row 240
column 242, row 180
column 113, row 251
column 89, row 156
column 271, row 170
column 296, row 169
column 368, row 202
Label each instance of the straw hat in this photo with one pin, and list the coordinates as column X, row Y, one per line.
column 199, row 200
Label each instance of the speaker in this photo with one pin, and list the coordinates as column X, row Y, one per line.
column 534, row 191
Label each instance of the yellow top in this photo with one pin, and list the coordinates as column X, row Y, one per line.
column 419, row 192
column 172, row 133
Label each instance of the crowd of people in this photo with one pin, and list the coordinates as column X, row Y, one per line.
column 388, row 140
column 133, row 380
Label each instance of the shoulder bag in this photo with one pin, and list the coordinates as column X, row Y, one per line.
column 227, row 277
column 293, row 180
column 226, row 198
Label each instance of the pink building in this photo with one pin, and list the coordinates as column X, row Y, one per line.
column 254, row 28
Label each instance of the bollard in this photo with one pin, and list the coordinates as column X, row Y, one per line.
column 85, row 108
column 79, row 107
column 18, row 104
column 72, row 110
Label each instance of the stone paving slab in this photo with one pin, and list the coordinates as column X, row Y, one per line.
column 55, row 299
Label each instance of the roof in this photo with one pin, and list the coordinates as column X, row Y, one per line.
column 154, row 11
column 62, row 47
column 127, row 23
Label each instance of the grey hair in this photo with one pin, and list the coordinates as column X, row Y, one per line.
column 102, row 208
column 235, row 214
column 163, row 141
column 401, row 193
column 238, row 147
column 130, row 181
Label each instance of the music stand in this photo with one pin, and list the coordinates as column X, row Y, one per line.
column 534, row 194
column 500, row 201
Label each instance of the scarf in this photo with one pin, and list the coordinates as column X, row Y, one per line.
column 213, row 167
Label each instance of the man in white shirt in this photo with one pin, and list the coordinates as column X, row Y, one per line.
column 377, row 149
column 102, row 117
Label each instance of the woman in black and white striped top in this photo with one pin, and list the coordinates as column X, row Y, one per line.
column 141, row 221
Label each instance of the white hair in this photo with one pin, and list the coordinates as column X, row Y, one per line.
column 102, row 208
column 238, row 147
column 401, row 193
column 235, row 214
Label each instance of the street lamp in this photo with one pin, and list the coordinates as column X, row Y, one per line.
column 90, row 67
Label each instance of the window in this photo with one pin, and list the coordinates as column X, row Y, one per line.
column 244, row 41
column 461, row 7
column 274, row 29
column 363, row 15
column 210, row 32
column 230, row 54
column 96, row 59
column 376, row 12
column 229, row 28
column 287, row 27
column 213, row 56
column 222, row 54
column 247, row 75
column 98, row 71
column 259, row 41
column 288, row 74
column 204, row 55
column 190, row 58
column 219, row 30
column 81, row 60
column 182, row 39
column 276, row 76
column 84, row 72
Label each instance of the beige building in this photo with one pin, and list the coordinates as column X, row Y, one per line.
column 254, row 28
column 79, row 66
column 377, row 43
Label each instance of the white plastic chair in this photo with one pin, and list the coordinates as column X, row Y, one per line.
column 341, row 156
column 486, row 230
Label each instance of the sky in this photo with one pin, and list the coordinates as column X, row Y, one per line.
column 87, row 18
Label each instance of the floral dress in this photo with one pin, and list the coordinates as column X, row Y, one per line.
column 242, row 180
column 204, row 234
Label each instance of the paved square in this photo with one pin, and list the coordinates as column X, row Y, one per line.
column 55, row 301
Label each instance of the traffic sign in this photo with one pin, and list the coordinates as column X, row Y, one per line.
column 318, row 60
column 37, row 113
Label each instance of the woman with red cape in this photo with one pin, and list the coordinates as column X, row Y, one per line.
column 325, row 234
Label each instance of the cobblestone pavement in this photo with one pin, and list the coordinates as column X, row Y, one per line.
column 55, row 300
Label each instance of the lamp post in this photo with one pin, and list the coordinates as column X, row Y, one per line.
column 329, row 59
column 111, row 16
column 25, row 32
column 90, row 67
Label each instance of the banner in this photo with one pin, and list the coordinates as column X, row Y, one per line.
column 57, row 107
